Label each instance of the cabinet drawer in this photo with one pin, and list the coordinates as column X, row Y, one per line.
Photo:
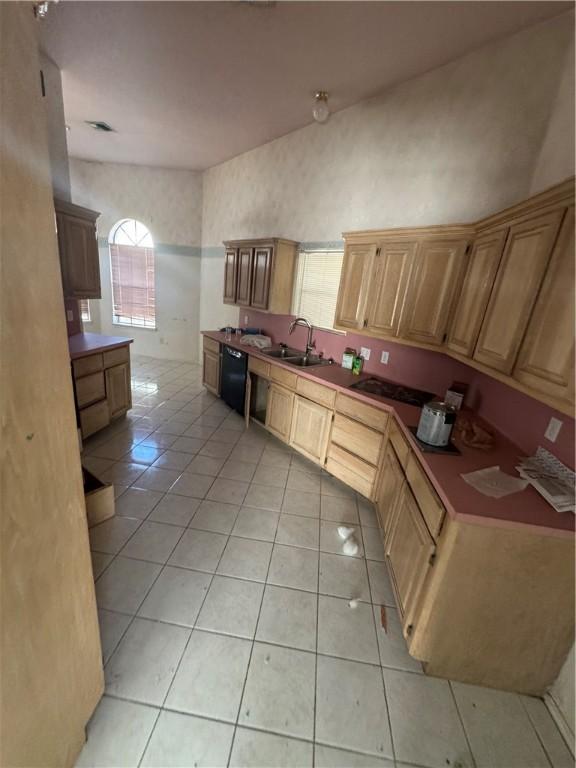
column 430, row 505
column 259, row 367
column 90, row 389
column 316, row 392
column 282, row 376
column 85, row 365
column 401, row 445
column 357, row 439
column 116, row 356
column 351, row 470
column 94, row 418
column 211, row 346
column 373, row 417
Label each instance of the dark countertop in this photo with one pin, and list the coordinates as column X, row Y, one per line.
column 84, row 344
column 525, row 509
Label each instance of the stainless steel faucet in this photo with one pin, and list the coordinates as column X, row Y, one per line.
column 302, row 321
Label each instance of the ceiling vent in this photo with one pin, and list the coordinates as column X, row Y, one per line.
column 99, row 126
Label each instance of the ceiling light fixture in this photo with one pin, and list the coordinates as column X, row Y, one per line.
column 98, row 125
column 321, row 110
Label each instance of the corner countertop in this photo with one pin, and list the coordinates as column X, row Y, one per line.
column 525, row 509
column 84, row 344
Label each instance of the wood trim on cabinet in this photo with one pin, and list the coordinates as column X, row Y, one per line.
column 375, row 418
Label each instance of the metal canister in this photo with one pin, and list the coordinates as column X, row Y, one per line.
column 436, row 422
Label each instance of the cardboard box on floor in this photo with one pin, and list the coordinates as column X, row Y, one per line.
column 99, row 499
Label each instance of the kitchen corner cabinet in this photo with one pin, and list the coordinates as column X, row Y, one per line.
column 211, row 365
column 260, row 274
column 546, row 359
column 78, row 249
column 515, row 289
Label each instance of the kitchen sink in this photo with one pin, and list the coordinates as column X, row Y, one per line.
column 282, row 353
column 307, row 362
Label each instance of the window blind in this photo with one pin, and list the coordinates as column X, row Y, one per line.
column 133, row 295
column 316, row 286
column 84, row 310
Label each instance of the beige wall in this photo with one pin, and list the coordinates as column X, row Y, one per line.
column 54, row 108
column 50, row 658
column 452, row 145
column 169, row 203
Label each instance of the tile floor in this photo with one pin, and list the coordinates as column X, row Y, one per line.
column 223, row 598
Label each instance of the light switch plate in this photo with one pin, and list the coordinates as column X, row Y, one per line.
column 69, row 315
column 553, row 429
column 365, row 353
column 384, row 357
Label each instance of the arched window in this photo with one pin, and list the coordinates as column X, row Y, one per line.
column 132, row 268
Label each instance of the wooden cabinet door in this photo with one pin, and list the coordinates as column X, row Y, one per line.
column 79, row 260
column 409, row 554
column 211, row 371
column 518, row 280
column 310, row 429
column 279, row 411
column 391, row 482
column 261, row 274
column 390, row 272
column 354, row 286
column 473, row 300
column 230, row 275
column 118, row 391
column 434, row 279
column 546, row 359
column 244, row 288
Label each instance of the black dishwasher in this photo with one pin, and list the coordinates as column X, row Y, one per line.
column 233, row 379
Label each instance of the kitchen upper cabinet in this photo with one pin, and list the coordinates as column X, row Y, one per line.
column 473, row 299
column 211, row 365
column 262, row 273
column 78, row 249
column 310, row 429
column 434, row 280
column 391, row 482
column 244, row 286
column 279, row 411
column 354, row 286
column 516, row 287
column 388, row 282
column 230, row 275
column 261, row 276
column 409, row 554
column 118, row 390
column 546, row 358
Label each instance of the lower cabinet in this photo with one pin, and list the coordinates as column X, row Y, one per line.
column 118, row 390
column 310, row 428
column 391, row 482
column 102, row 388
column 279, row 411
column 211, row 365
column 409, row 553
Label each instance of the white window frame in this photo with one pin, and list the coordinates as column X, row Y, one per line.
column 142, row 238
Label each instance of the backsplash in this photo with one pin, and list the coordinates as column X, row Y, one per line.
column 75, row 325
column 521, row 418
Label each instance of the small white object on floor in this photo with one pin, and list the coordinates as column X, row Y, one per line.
column 345, row 532
column 353, row 603
column 350, row 546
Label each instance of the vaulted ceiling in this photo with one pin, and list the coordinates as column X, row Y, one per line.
column 190, row 84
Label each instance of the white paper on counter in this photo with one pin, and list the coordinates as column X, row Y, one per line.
column 493, row 482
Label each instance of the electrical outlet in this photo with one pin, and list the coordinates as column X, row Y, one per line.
column 384, row 357
column 365, row 353
column 69, row 315
column 245, row 320
column 553, row 429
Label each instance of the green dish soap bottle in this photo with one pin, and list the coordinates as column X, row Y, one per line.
column 357, row 364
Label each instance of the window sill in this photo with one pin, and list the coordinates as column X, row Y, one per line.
column 135, row 326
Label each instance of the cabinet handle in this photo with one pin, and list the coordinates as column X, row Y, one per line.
column 365, row 323
column 409, row 629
